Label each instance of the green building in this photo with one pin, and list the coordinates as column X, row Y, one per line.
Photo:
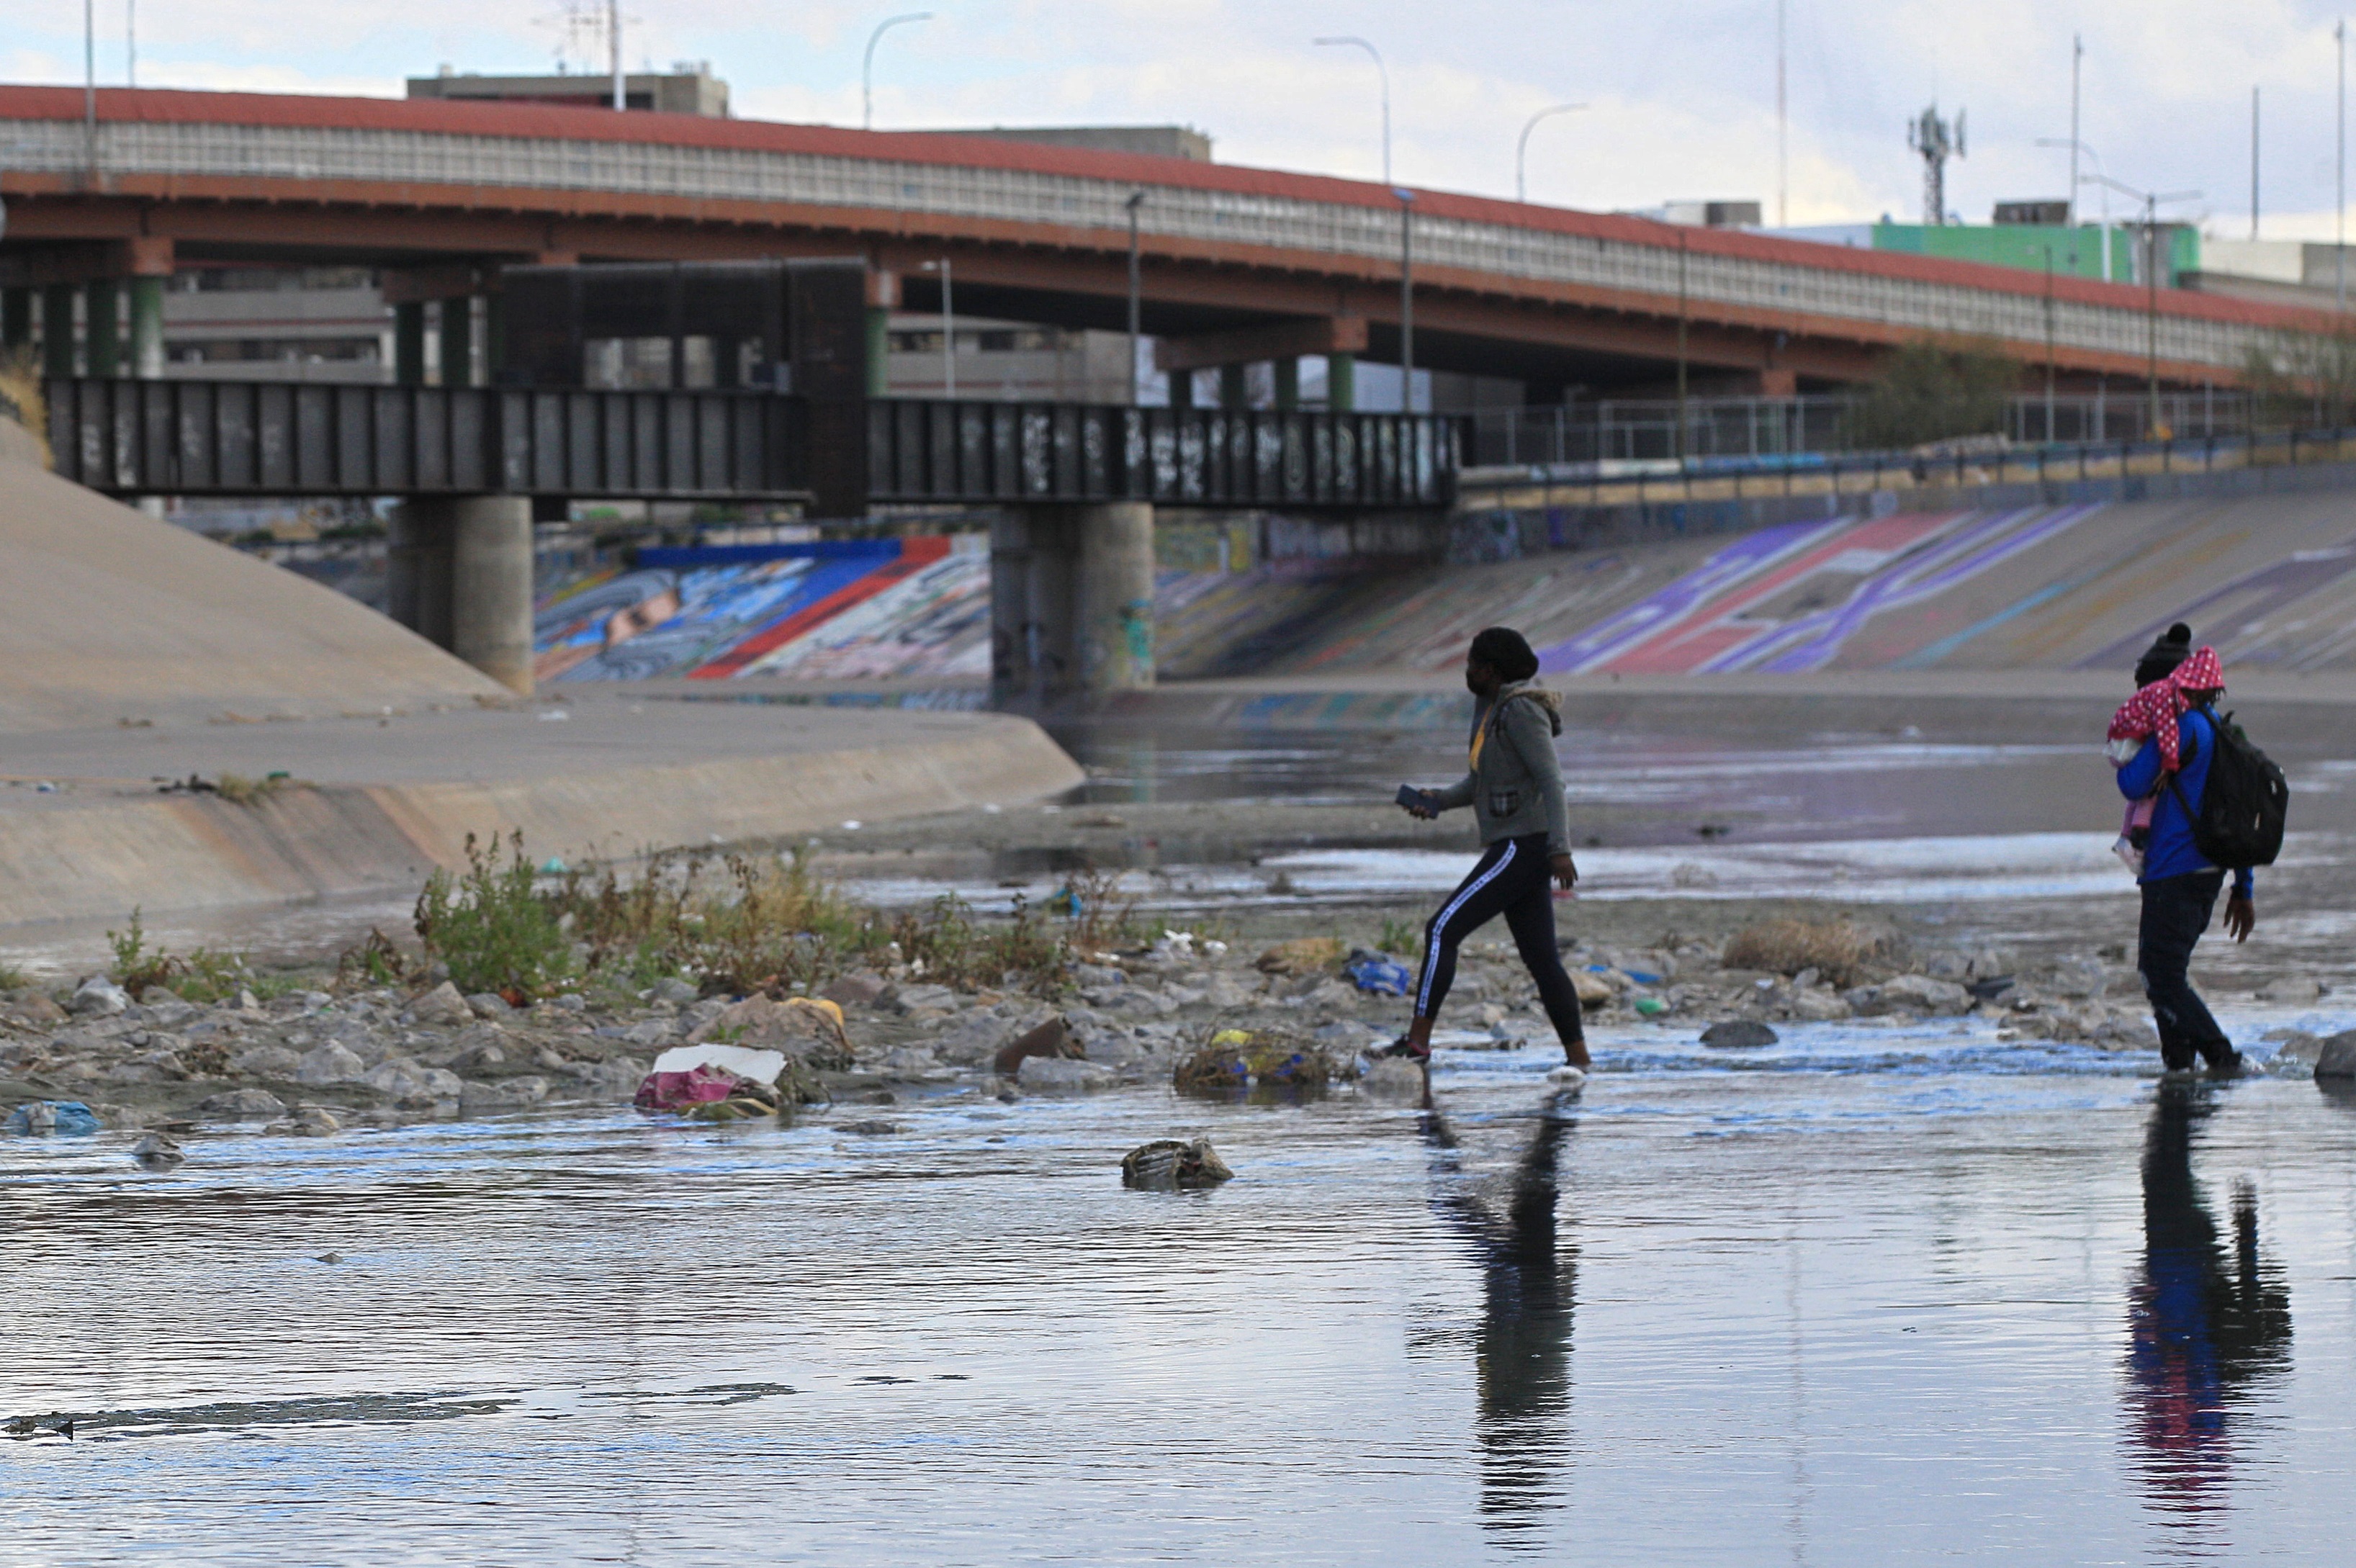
column 2074, row 250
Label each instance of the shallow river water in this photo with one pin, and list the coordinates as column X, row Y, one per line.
column 1879, row 1294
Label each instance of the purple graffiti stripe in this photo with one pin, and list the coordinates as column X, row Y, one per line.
column 2268, row 588
column 1814, row 640
column 1747, row 556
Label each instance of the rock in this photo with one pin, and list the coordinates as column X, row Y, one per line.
column 674, row 990
column 37, row 1009
column 1303, row 955
column 652, row 1032
column 973, row 1040
column 1571, row 1079
column 1051, row 1038
column 876, row 1128
column 1738, row 1034
column 570, row 1002
column 2295, row 990
column 2300, row 1047
column 328, row 1064
column 1394, row 1077
column 1594, row 990
column 157, row 1151
column 99, row 998
column 503, row 1095
column 442, row 1005
column 619, row 1077
column 1088, row 975
column 1810, row 1005
column 1054, row 1073
column 482, row 1004
column 905, row 999
column 802, row 1027
column 1167, row 1163
column 1948, row 965
column 2336, row 1058
column 405, row 1078
column 858, row 988
column 1911, row 993
column 308, row 1122
column 908, row 1059
column 243, row 1105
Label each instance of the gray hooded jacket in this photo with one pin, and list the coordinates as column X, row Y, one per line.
column 1515, row 786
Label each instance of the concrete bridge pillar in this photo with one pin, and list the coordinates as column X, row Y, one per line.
column 58, row 330
column 1071, row 603
column 16, row 318
column 459, row 571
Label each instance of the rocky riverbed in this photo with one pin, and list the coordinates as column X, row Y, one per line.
column 318, row 1061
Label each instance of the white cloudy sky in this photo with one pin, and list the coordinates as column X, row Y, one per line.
column 1681, row 92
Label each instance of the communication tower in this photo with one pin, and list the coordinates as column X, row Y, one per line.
column 1935, row 141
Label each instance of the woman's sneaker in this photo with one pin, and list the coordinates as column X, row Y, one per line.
column 1406, row 1048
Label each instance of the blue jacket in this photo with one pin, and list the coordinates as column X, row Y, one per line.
column 2172, row 852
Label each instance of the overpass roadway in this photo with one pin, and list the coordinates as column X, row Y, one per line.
column 1238, row 263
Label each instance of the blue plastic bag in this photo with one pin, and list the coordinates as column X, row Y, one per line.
column 1378, row 974
column 68, row 1116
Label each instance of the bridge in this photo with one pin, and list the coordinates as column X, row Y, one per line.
column 1236, row 264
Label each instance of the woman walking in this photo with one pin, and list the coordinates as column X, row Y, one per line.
column 1514, row 785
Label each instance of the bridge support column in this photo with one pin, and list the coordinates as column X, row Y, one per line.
column 1341, row 382
column 1182, row 388
column 148, row 327
column 1287, row 383
column 1071, row 603
column 16, row 318
column 102, row 326
column 458, row 341
column 58, row 329
column 408, row 343
column 1234, row 389
column 459, row 574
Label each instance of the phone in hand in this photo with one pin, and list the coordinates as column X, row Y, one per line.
column 1412, row 798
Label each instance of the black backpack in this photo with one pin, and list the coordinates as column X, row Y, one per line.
column 2240, row 822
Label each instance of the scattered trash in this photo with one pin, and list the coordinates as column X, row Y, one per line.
column 157, row 1151
column 40, row 1118
column 1738, row 1034
column 739, row 1060
column 1378, row 974
column 1649, row 1006
column 675, row 1090
column 1235, row 1058
column 809, row 1029
column 1171, row 1163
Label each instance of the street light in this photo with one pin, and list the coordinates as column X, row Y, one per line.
column 1385, row 77
column 867, row 65
column 1136, row 200
column 949, row 329
column 1406, row 299
column 2076, row 146
column 1522, row 148
column 2151, row 201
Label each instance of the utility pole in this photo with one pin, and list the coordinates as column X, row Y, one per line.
column 1136, row 301
column 2077, row 56
column 1783, row 131
column 2254, row 162
column 90, row 88
column 2151, row 202
column 614, row 48
column 1681, row 345
column 1406, row 300
column 2339, row 207
column 2048, row 340
column 131, row 43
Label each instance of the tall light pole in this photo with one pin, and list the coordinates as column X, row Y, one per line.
column 2077, row 57
column 949, row 329
column 613, row 52
column 1406, row 299
column 1136, row 291
column 1522, row 147
column 130, row 43
column 2254, row 162
column 2077, row 179
column 90, row 87
column 1385, row 76
column 867, row 65
column 2339, row 207
column 1782, row 132
column 2151, row 201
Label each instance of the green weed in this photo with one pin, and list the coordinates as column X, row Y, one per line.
column 492, row 927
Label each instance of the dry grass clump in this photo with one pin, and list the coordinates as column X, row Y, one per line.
column 1838, row 951
column 1240, row 1057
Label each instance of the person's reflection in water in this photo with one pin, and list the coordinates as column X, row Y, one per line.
column 2204, row 1324
column 1523, row 1352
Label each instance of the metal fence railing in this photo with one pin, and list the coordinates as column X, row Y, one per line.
column 1613, row 482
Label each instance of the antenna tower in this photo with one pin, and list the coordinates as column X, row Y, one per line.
column 1934, row 140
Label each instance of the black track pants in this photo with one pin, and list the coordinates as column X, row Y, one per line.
column 2176, row 911
column 1510, row 879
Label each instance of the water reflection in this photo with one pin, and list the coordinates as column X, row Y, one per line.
column 2205, row 1325
column 1522, row 1354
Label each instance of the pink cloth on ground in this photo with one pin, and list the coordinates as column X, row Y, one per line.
column 670, row 1091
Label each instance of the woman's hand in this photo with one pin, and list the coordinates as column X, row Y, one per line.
column 1424, row 810
column 1564, row 873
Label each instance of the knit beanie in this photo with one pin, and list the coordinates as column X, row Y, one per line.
column 2171, row 648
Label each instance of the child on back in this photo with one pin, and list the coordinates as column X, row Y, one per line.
column 2150, row 716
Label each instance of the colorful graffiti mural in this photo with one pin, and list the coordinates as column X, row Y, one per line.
column 867, row 608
